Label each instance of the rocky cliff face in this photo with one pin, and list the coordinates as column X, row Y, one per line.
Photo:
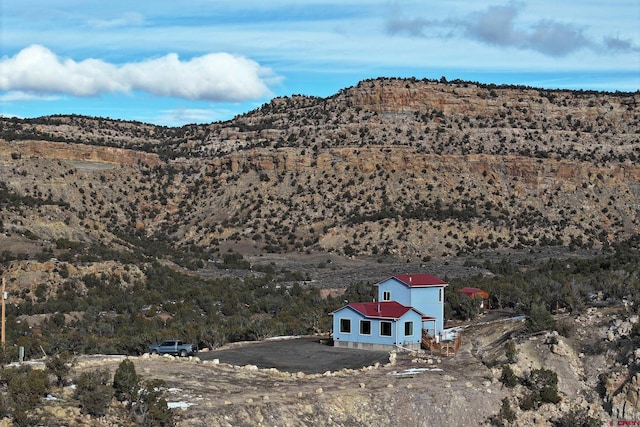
column 472, row 100
column 623, row 397
column 404, row 167
column 76, row 152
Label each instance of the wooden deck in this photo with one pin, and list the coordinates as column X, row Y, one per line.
column 443, row 348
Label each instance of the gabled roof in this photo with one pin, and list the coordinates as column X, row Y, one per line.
column 380, row 310
column 419, row 280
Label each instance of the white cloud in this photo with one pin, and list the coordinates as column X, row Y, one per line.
column 181, row 116
column 214, row 77
column 217, row 76
column 19, row 96
column 36, row 69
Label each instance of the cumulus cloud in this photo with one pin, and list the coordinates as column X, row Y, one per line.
column 496, row 25
column 37, row 70
column 214, row 77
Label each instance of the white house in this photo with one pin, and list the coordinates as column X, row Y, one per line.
column 406, row 305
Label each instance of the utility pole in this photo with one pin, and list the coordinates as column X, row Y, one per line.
column 3, row 296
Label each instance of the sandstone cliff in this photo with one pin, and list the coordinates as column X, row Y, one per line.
column 405, row 167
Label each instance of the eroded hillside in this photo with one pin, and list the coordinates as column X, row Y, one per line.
column 417, row 169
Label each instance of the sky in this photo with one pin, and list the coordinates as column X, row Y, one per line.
column 198, row 61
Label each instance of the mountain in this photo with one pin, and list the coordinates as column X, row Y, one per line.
column 410, row 168
column 117, row 234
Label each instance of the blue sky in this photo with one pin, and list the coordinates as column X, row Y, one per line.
column 198, row 61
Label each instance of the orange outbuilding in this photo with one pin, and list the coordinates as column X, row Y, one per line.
column 476, row 293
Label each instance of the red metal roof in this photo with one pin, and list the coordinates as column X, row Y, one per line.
column 419, row 280
column 474, row 291
column 386, row 309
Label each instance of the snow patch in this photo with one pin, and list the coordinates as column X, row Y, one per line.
column 173, row 405
column 414, row 371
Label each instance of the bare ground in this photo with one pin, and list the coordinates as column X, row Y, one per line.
column 302, row 354
column 239, row 385
column 314, row 379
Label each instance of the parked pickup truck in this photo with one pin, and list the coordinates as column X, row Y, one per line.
column 174, row 347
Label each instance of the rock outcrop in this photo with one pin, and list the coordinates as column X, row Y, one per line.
column 76, row 152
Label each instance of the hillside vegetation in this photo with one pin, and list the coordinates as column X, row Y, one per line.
column 117, row 234
column 410, row 168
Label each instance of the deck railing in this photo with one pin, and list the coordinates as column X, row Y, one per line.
column 442, row 347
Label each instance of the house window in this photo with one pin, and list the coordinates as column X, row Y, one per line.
column 365, row 327
column 386, row 296
column 345, row 326
column 408, row 329
column 385, row 329
column 440, row 295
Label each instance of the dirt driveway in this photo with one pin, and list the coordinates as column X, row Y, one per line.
column 304, row 354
